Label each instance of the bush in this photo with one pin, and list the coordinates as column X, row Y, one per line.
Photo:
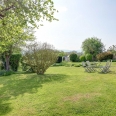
column 59, row 60
column 77, row 65
column 114, row 60
column 14, row 61
column 104, row 56
column 5, row 73
column 88, row 57
column 82, row 58
column 73, row 57
column 39, row 57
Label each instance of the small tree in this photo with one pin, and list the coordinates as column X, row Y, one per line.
column 82, row 58
column 40, row 57
column 88, row 57
column 73, row 57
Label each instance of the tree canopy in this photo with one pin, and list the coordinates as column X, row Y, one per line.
column 12, row 33
column 28, row 11
column 92, row 46
column 17, row 20
column 18, row 17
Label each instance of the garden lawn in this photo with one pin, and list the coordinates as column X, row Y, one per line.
column 62, row 91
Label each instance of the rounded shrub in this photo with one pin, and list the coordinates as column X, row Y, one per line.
column 82, row 58
column 59, row 60
column 104, row 56
column 73, row 57
column 88, row 57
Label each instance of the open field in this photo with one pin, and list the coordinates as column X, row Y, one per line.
column 62, row 91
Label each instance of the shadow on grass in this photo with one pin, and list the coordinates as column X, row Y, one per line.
column 19, row 84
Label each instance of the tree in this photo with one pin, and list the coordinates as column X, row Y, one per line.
column 112, row 49
column 73, row 57
column 39, row 57
column 88, row 57
column 82, row 58
column 16, row 17
column 13, row 34
column 28, row 11
column 93, row 46
column 59, row 59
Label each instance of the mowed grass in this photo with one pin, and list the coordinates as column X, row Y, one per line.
column 62, row 91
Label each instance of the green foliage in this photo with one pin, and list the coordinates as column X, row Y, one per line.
column 62, row 53
column 39, row 57
column 104, row 56
column 73, row 57
column 28, row 11
column 92, row 46
column 112, row 49
column 88, row 57
column 82, row 58
column 114, row 60
column 14, row 61
column 59, row 60
column 77, row 65
column 13, row 34
column 5, row 73
column 18, row 18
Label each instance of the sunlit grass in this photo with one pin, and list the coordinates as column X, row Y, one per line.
column 62, row 91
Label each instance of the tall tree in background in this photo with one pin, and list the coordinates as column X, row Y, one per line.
column 112, row 49
column 93, row 46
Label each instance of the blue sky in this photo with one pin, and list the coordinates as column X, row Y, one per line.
column 78, row 20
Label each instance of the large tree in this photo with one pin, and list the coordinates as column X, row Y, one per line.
column 92, row 46
column 28, row 11
column 12, row 35
column 17, row 17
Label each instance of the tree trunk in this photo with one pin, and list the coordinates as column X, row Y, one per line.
column 7, row 59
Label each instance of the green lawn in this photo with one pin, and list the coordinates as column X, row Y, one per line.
column 62, row 91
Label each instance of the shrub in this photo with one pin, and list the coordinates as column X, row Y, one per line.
column 73, row 57
column 77, row 65
column 5, row 73
column 14, row 61
column 39, row 57
column 104, row 56
column 114, row 60
column 59, row 60
column 88, row 57
column 82, row 58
